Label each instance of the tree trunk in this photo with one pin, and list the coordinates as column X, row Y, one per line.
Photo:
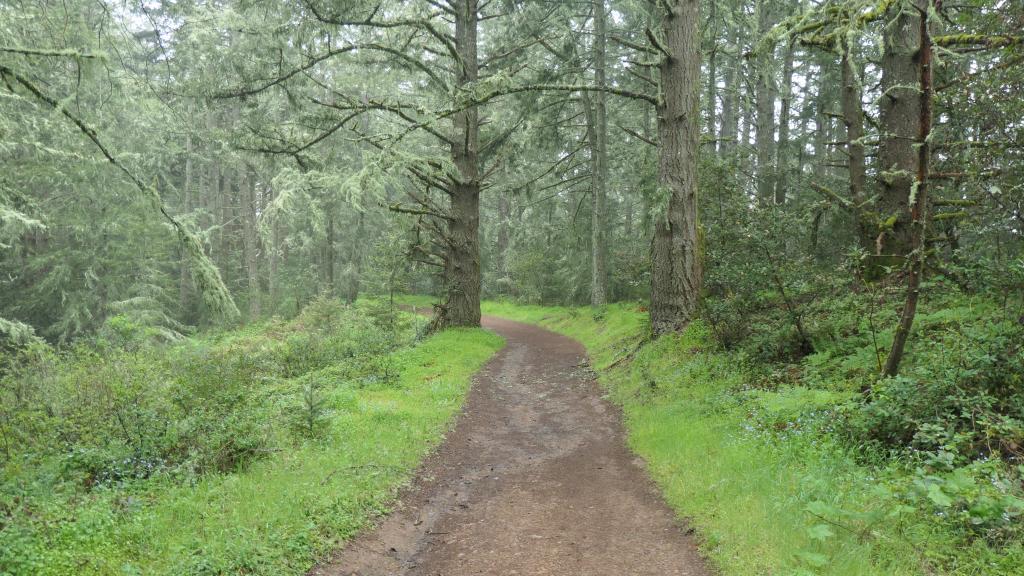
column 504, row 237
column 747, row 114
column 676, row 267
column 853, row 118
column 598, row 132
column 729, row 100
column 330, row 248
column 356, row 258
column 250, row 243
column 784, row 159
column 184, row 278
column 765, row 92
column 821, row 121
column 462, row 255
column 711, row 101
column 212, row 207
column 919, row 197
column 274, row 256
column 900, row 108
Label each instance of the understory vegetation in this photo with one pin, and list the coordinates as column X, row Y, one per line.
column 782, row 463
column 251, row 451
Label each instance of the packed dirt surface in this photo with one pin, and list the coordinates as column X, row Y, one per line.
column 535, row 479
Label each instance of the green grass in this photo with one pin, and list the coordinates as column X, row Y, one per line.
column 280, row 513
column 766, row 491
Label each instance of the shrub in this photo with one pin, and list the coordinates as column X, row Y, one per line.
column 962, row 394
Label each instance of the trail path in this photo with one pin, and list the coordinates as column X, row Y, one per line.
column 534, row 480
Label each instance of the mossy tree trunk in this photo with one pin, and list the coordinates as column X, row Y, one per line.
column 900, row 113
column 918, row 201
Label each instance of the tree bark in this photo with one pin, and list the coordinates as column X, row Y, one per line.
column 462, row 254
column 598, row 132
column 822, row 122
column 765, row 93
column 900, row 108
column 250, row 242
column 504, row 237
column 729, row 100
column 919, row 196
column 711, row 101
column 213, row 201
column 676, row 267
column 853, row 118
column 746, row 113
column 784, row 159
column 356, row 258
column 330, row 248
column 184, row 277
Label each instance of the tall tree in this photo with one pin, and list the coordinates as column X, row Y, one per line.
column 900, row 119
column 765, row 93
column 462, row 254
column 598, row 136
column 676, row 260
column 917, row 202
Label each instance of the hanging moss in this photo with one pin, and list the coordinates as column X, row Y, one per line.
column 215, row 294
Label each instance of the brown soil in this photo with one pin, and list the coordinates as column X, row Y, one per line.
column 535, row 479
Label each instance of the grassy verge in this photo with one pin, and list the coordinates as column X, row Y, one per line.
column 339, row 430
column 757, row 472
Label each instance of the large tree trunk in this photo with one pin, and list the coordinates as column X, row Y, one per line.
column 900, row 108
column 462, row 255
column 249, row 242
column 676, row 267
column 918, row 204
column 598, row 132
column 765, row 93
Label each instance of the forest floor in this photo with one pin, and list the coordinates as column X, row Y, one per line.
column 536, row 478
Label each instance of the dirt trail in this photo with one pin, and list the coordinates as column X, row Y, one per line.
column 535, row 480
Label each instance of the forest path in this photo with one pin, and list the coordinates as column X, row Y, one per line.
column 535, row 479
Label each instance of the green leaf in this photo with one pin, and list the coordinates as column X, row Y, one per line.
column 820, row 532
column 936, row 495
column 813, row 559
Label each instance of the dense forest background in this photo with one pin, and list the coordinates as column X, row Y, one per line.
column 833, row 189
column 278, row 136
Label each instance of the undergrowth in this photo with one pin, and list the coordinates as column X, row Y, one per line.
column 252, row 451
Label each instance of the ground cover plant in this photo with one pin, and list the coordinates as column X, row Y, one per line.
column 244, row 451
